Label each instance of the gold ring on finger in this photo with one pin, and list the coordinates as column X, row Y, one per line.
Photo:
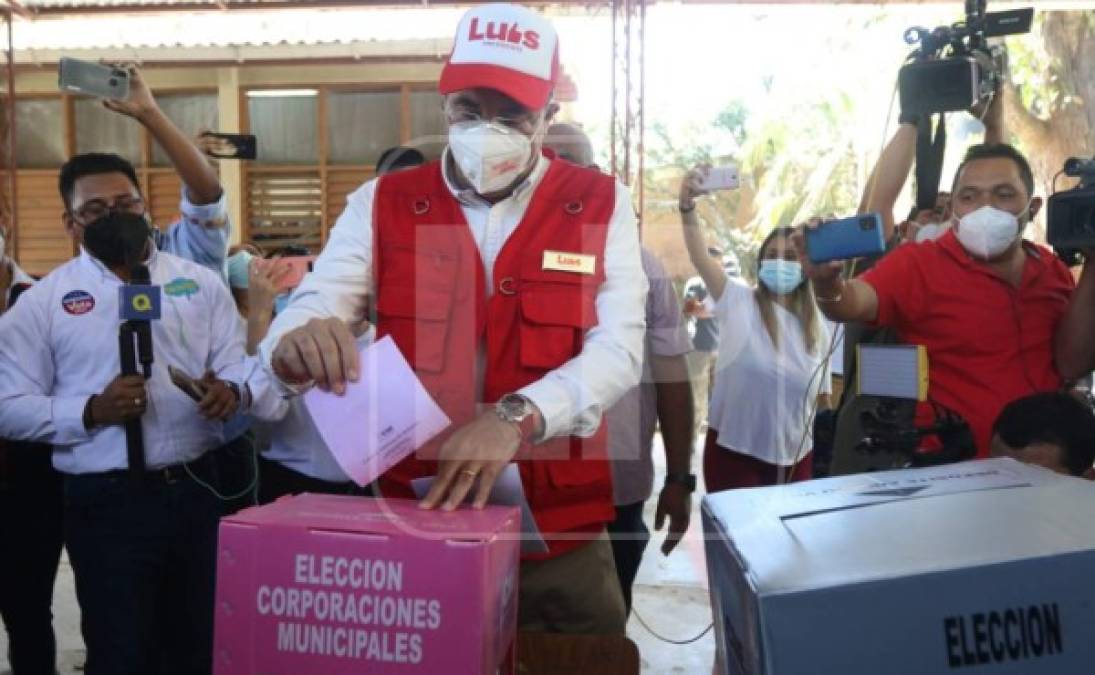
column 469, row 473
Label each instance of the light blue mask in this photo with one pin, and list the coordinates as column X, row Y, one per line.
column 239, row 265
column 780, row 276
column 280, row 303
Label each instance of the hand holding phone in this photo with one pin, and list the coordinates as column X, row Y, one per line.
column 93, row 79
column 187, row 384
column 721, row 178
column 228, row 146
column 845, row 239
column 299, row 265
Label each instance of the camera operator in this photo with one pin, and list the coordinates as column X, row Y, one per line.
column 1054, row 430
column 1000, row 317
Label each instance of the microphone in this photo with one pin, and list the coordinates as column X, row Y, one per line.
column 139, row 304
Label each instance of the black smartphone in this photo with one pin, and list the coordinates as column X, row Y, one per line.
column 230, row 146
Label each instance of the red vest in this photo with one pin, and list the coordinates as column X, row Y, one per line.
column 431, row 299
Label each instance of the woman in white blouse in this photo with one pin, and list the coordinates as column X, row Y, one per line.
column 772, row 372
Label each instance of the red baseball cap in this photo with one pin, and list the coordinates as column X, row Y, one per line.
column 508, row 48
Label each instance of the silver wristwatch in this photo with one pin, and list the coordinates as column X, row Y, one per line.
column 517, row 409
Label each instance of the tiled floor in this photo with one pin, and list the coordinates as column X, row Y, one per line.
column 670, row 595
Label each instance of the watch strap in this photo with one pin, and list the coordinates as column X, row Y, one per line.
column 688, row 480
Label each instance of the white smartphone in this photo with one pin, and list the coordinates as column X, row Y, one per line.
column 93, row 79
column 722, row 178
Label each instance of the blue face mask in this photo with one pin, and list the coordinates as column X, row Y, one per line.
column 780, row 276
column 238, row 268
column 280, row 303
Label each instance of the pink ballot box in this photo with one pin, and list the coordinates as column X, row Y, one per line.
column 330, row 584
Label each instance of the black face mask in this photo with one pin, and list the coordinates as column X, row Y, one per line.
column 118, row 239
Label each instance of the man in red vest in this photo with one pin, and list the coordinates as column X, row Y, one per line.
column 513, row 285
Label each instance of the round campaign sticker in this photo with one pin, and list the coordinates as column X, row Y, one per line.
column 78, row 302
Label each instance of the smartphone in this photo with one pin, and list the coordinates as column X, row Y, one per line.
column 93, row 79
column 231, row 146
column 856, row 237
column 189, row 385
column 721, row 178
column 299, row 265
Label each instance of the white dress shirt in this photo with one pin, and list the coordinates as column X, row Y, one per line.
column 571, row 398
column 61, row 347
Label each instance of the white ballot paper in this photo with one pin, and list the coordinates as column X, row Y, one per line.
column 507, row 491
column 382, row 418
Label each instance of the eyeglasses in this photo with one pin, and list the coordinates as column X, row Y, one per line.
column 460, row 114
column 97, row 208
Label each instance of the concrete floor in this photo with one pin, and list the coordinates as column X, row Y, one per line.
column 670, row 595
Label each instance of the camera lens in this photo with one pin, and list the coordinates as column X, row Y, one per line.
column 866, row 224
column 113, row 81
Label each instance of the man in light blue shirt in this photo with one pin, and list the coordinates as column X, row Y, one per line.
column 201, row 233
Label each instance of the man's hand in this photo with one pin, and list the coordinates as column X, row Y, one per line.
column 123, row 400
column 219, row 402
column 322, row 350
column 140, row 105
column 263, row 277
column 675, row 501
column 476, row 452
column 824, row 275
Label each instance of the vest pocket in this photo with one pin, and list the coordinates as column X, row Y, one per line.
column 554, row 318
column 565, row 482
column 418, row 321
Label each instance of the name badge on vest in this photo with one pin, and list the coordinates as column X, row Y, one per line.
column 579, row 263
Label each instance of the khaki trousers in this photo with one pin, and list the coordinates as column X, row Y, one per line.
column 577, row 592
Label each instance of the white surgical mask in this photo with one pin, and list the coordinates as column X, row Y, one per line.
column 988, row 231
column 490, row 156
column 930, row 232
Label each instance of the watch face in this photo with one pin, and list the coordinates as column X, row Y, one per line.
column 514, row 407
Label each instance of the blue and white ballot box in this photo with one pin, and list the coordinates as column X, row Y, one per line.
column 983, row 567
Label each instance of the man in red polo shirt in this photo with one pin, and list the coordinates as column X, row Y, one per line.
column 506, row 279
column 1000, row 316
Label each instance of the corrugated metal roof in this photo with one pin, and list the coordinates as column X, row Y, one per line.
column 218, row 29
column 83, row 4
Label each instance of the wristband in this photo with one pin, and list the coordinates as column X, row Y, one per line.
column 688, row 480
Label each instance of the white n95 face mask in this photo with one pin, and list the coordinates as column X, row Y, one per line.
column 489, row 155
column 988, row 231
column 930, row 232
